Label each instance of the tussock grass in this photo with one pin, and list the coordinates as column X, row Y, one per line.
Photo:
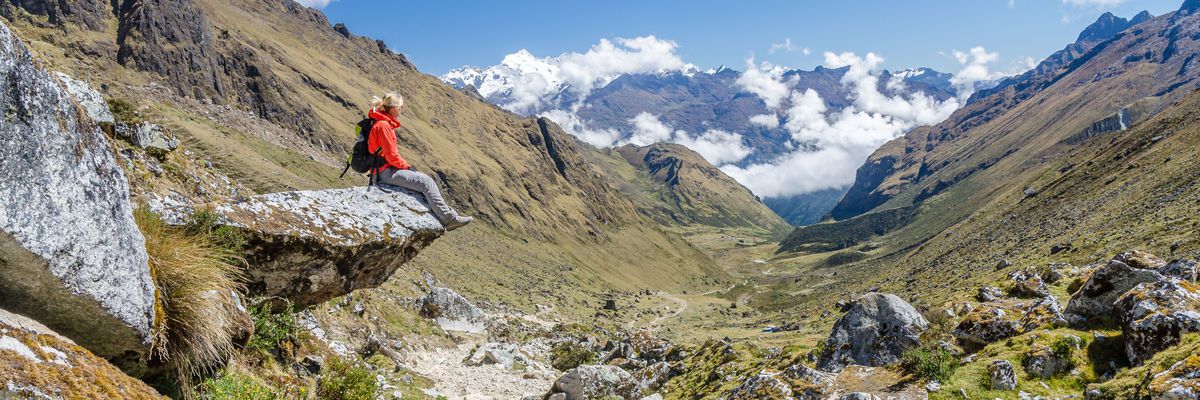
column 197, row 312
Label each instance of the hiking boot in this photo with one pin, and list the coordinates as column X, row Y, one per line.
column 458, row 222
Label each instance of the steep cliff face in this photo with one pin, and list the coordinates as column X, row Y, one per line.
column 690, row 191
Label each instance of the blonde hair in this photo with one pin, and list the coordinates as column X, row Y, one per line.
column 388, row 100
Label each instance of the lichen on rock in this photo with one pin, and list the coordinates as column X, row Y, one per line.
column 70, row 253
column 311, row 246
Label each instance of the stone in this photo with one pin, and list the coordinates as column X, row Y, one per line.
column 1028, row 284
column 933, row 387
column 654, row 376
column 92, row 101
column 1182, row 269
column 1154, row 315
column 595, row 382
column 1044, row 312
column 311, row 246
column 38, row 363
column 452, row 311
column 1002, row 374
column 313, row 364
column 989, row 294
column 71, row 255
column 809, row 384
column 858, row 396
column 874, row 332
column 1180, row 381
column 1095, row 298
column 150, row 137
column 985, row 325
column 1140, row 259
column 765, row 385
column 1041, row 362
column 507, row 355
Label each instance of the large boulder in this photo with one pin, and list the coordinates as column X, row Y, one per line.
column 71, row 255
column 311, row 246
column 1095, row 298
column 452, row 311
column 876, row 329
column 986, row 324
column 1002, row 375
column 1180, row 381
column 1155, row 315
column 595, row 382
column 37, row 363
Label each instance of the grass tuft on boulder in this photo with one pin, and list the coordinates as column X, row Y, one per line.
column 197, row 282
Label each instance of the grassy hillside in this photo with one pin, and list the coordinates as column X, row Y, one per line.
column 675, row 186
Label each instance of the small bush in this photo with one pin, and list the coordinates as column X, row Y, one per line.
column 567, row 355
column 346, row 381
column 270, row 328
column 235, row 386
column 929, row 364
column 196, row 313
column 1063, row 348
column 123, row 111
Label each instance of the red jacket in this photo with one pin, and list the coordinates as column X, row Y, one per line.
column 383, row 135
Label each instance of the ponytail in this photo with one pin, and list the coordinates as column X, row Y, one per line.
column 388, row 100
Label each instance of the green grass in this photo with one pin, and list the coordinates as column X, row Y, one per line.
column 929, row 364
column 271, row 328
column 567, row 355
column 343, row 380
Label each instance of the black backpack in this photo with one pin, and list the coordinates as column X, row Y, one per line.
column 362, row 159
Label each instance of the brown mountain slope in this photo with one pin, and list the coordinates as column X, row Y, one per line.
column 269, row 90
column 677, row 187
column 952, row 169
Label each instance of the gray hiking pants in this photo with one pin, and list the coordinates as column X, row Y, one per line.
column 419, row 182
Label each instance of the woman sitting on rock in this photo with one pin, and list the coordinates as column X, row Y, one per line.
column 395, row 170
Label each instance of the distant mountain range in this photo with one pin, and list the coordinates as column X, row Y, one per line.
column 692, row 100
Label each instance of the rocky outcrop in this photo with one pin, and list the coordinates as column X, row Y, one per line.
column 37, row 363
column 765, row 385
column 70, row 253
column 311, row 246
column 1155, row 315
column 1043, row 362
column 595, row 382
column 874, row 332
column 1180, row 381
column 1002, row 374
column 452, row 311
column 986, row 324
column 1095, row 298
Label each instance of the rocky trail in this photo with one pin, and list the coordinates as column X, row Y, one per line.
column 454, row 379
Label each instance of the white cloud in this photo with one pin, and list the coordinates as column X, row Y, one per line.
column 830, row 145
column 786, row 46
column 606, row 60
column 769, row 121
column 717, row 146
column 647, row 130
column 765, row 81
column 315, row 3
column 571, row 123
column 806, row 51
column 1094, row 3
column 975, row 69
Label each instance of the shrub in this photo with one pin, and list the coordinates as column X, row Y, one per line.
column 196, row 311
column 270, row 328
column 569, row 355
column 236, row 386
column 346, row 381
column 1063, row 347
column 929, row 364
column 123, row 111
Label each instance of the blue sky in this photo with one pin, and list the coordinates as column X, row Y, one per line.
column 440, row 35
